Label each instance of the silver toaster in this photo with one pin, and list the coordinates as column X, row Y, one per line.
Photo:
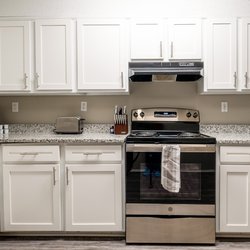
column 69, row 125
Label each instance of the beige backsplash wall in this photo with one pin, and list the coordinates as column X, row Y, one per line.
column 45, row 109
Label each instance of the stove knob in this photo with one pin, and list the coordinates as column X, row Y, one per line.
column 135, row 114
column 188, row 114
column 195, row 115
column 142, row 114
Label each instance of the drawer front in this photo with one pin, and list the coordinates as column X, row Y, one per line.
column 31, row 153
column 93, row 153
column 234, row 154
column 170, row 230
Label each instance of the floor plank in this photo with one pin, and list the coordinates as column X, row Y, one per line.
column 64, row 244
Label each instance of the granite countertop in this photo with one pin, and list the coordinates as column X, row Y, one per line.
column 99, row 133
column 227, row 133
column 43, row 133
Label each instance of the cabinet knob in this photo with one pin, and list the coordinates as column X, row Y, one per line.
column 235, row 79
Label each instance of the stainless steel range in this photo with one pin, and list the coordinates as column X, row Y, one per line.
column 153, row 213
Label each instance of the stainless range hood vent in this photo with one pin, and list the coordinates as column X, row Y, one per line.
column 165, row 71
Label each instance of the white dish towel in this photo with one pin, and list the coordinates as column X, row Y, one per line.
column 170, row 168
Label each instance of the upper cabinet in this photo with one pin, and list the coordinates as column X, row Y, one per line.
column 146, row 40
column 102, row 55
column 165, row 40
column 15, row 56
column 53, row 44
column 184, row 39
column 220, row 54
column 244, row 54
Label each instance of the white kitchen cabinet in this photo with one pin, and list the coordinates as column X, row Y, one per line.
column 53, row 43
column 234, row 189
column 15, row 62
column 244, row 54
column 146, row 42
column 184, row 39
column 220, row 54
column 93, row 188
column 102, row 55
column 31, row 189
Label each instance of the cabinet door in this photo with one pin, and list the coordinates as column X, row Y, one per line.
column 185, row 39
column 101, row 55
column 146, row 40
column 53, row 54
column 14, row 56
column 31, row 195
column 244, row 53
column 234, row 198
column 220, row 54
column 93, row 197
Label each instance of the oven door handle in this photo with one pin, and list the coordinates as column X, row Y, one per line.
column 185, row 148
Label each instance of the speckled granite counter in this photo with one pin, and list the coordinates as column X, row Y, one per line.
column 99, row 133
column 227, row 134
column 43, row 133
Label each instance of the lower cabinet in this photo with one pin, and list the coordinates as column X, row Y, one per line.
column 93, row 197
column 234, row 189
column 35, row 179
column 31, row 197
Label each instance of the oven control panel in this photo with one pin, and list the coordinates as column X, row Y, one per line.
column 165, row 114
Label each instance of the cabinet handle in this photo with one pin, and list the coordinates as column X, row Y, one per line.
column 160, row 48
column 172, row 49
column 54, row 176
column 25, row 81
column 235, row 79
column 92, row 153
column 67, row 176
column 122, row 79
column 246, row 78
column 37, row 80
column 29, row 153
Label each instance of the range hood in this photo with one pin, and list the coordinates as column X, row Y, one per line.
column 165, row 71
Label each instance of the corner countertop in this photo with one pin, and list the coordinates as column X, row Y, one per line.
column 43, row 133
column 228, row 133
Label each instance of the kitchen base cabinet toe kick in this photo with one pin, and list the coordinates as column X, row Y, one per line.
column 79, row 192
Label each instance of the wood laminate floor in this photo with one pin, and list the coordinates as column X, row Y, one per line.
column 62, row 244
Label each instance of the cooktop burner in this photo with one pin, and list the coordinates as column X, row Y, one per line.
column 166, row 125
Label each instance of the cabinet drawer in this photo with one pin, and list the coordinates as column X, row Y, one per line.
column 31, row 153
column 92, row 153
column 235, row 154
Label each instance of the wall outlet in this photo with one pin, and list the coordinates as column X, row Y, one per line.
column 83, row 106
column 15, row 107
column 224, row 106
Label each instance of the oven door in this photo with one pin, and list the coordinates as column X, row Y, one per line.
column 197, row 171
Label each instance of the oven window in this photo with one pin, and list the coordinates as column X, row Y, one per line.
column 143, row 178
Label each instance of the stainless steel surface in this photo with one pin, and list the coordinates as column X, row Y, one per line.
column 187, row 148
column 193, row 69
column 172, row 49
column 181, row 115
column 69, row 125
column 235, row 79
column 170, row 230
column 170, row 209
column 246, row 78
